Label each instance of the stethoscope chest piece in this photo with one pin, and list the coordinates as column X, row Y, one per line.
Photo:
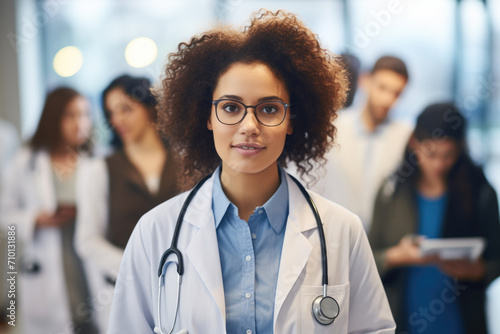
column 325, row 309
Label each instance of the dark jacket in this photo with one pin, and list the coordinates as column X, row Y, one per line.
column 129, row 197
column 396, row 215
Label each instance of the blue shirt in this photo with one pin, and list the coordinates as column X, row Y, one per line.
column 432, row 306
column 250, row 254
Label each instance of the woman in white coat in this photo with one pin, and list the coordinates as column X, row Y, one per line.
column 114, row 192
column 244, row 104
column 38, row 203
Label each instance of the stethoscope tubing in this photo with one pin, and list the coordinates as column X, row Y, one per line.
column 180, row 265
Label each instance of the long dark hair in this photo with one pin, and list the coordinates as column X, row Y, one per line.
column 445, row 121
column 139, row 89
column 48, row 134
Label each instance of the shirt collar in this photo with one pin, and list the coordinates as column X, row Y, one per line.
column 276, row 208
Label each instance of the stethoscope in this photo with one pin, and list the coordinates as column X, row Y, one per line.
column 325, row 309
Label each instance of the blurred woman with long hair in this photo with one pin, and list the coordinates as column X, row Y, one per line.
column 38, row 205
column 438, row 192
column 116, row 191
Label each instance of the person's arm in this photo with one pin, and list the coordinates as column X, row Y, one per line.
column 92, row 219
column 394, row 253
column 487, row 267
column 133, row 307
column 377, row 234
column 369, row 310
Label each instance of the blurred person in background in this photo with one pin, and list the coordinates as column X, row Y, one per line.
column 369, row 143
column 38, row 199
column 116, row 191
column 437, row 192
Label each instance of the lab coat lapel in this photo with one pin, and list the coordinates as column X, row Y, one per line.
column 203, row 250
column 296, row 248
column 44, row 181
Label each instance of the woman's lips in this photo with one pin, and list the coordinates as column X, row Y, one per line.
column 248, row 149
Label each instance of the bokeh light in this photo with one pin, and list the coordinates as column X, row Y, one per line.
column 141, row 52
column 68, row 61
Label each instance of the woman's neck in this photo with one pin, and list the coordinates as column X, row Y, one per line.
column 148, row 155
column 248, row 191
column 64, row 160
column 148, row 143
column 432, row 187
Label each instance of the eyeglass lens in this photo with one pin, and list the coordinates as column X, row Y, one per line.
column 268, row 113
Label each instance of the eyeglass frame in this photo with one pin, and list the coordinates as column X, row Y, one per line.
column 216, row 103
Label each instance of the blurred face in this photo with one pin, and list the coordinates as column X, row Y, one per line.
column 249, row 146
column 436, row 157
column 383, row 89
column 129, row 118
column 76, row 124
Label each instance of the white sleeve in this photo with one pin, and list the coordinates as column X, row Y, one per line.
column 92, row 218
column 17, row 206
column 369, row 310
column 132, row 309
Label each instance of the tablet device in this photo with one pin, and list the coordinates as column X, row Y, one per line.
column 453, row 248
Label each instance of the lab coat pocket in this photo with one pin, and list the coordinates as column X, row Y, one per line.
column 340, row 293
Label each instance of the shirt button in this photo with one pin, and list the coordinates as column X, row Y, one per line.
column 248, row 258
column 260, row 212
column 249, row 331
column 248, row 295
column 254, row 236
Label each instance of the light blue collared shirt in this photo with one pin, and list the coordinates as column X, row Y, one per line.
column 250, row 255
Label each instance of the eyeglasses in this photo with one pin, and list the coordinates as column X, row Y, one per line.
column 269, row 113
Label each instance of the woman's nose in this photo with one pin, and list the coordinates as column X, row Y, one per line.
column 250, row 124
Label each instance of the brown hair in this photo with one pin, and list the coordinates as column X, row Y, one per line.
column 48, row 134
column 137, row 88
column 392, row 64
column 314, row 77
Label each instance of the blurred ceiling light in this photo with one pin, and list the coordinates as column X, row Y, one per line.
column 141, row 52
column 68, row 61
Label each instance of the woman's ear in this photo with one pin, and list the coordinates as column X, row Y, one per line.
column 289, row 131
column 209, row 123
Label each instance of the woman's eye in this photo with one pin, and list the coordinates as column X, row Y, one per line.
column 269, row 109
column 231, row 108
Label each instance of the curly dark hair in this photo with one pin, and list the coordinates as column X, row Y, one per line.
column 315, row 78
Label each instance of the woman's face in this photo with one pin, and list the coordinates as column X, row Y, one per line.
column 130, row 119
column 76, row 124
column 436, row 157
column 249, row 146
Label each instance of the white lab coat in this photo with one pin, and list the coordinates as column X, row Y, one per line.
column 353, row 278
column 101, row 257
column 42, row 303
